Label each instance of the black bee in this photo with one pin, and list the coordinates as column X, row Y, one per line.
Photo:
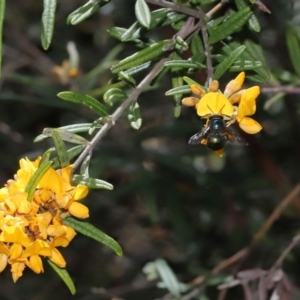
column 215, row 134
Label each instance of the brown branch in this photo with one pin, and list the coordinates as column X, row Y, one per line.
column 245, row 251
column 281, row 89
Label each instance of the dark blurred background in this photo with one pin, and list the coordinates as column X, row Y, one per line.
column 170, row 200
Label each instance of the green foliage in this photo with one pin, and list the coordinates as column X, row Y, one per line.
column 92, row 232
column 64, row 275
column 86, row 100
column 34, row 180
column 48, row 19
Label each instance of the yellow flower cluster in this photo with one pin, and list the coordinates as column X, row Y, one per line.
column 235, row 104
column 29, row 230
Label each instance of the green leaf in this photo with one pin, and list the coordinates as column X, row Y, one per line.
column 190, row 81
column 132, row 33
column 46, row 156
column 92, row 232
column 184, row 64
column 117, row 32
column 232, row 24
column 48, row 19
column 73, row 152
column 227, row 62
column 84, row 168
column 294, row 49
column 142, row 13
column 168, row 277
column 66, row 136
column 2, row 15
column 244, row 65
column 86, row 100
column 158, row 16
column 60, row 149
column 127, row 78
column 91, row 183
column 134, row 116
column 253, row 22
column 147, row 54
column 85, row 11
column 172, row 18
column 184, row 89
column 114, row 95
column 138, row 68
column 196, row 45
column 84, row 127
column 34, row 180
column 64, row 275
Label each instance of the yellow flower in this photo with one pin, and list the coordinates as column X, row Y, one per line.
column 32, row 230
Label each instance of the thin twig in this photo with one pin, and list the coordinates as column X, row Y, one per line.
column 245, row 251
column 119, row 111
column 280, row 89
column 210, row 70
column 182, row 9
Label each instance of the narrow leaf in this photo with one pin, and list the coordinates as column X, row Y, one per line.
column 86, row 100
column 84, row 168
column 84, row 127
column 184, row 89
column 232, row 24
column 60, row 149
column 253, row 22
column 64, row 275
column 34, row 180
column 294, row 49
column 190, row 81
column 91, row 183
column 117, row 32
column 48, row 19
column 168, row 277
column 114, row 95
column 142, row 13
column 73, row 152
column 66, row 136
column 134, row 116
column 91, row 231
column 227, row 62
column 46, row 156
column 244, row 65
column 132, row 33
column 184, row 64
column 127, row 78
column 2, row 14
column 85, row 11
column 140, row 57
column 196, row 45
column 138, row 68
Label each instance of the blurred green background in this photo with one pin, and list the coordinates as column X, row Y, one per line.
column 170, row 200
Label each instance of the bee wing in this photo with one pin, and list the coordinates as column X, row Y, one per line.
column 235, row 137
column 196, row 138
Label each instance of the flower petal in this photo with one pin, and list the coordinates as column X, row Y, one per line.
column 51, row 181
column 57, row 258
column 250, row 126
column 214, row 85
column 214, row 104
column 80, row 192
column 35, row 264
column 17, row 269
column 189, row 101
column 79, row 210
column 14, row 234
column 197, row 90
column 234, row 85
column 3, row 261
column 38, row 247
